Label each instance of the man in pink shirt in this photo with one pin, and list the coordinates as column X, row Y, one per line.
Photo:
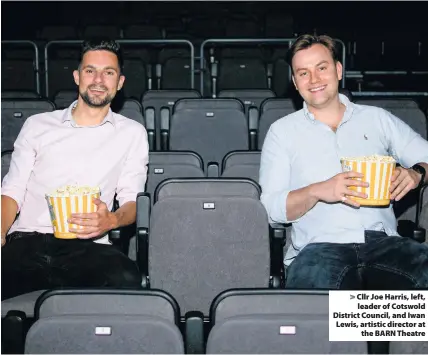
column 86, row 144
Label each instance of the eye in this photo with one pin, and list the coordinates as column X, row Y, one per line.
column 110, row 72
column 89, row 71
column 303, row 73
column 323, row 68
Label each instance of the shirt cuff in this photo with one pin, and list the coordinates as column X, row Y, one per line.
column 278, row 208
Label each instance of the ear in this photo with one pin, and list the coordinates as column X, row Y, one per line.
column 120, row 83
column 339, row 70
column 76, row 76
column 294, row 82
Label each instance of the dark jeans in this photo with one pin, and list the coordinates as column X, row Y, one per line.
column 35, row 261
column 381, row 263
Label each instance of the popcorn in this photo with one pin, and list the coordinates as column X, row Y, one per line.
column 377, row 170
column 372, row 158
column 74, row 190
column 64, row 201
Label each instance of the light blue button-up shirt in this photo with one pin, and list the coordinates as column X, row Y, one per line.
column 299, row 151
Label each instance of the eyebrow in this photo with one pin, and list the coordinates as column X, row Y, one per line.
column 106, row 68
column 322, row 62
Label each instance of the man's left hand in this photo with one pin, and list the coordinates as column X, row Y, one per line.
column 95, row 223
column 402, row 181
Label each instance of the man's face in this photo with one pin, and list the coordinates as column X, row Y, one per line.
column 99, row 78
column 316, row 75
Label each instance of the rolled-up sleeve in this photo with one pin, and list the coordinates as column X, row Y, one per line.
column 274, row 176
column 133, row 176
column 407, row 146
column 22, row 162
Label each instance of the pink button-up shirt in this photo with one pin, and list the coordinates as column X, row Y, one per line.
column 52, row 150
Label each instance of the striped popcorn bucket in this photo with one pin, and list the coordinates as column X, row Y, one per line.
column 60, row 209
column 377, row 172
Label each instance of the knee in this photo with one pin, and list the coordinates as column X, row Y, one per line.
column 422, row 278
column 418, row 266
column 125, row 277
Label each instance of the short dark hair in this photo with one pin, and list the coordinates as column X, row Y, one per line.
column 102, row 44
column 307, row 40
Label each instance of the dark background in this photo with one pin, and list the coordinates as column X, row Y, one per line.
column 22, row 20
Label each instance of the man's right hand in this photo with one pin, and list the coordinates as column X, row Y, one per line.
column 336, row 189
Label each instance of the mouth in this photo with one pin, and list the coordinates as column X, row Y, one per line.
column 318, row 89
column 97, row 91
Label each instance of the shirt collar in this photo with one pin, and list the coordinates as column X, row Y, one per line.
column 343, row 99
column 68, row 116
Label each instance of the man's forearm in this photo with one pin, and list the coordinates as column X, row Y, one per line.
column 125, row 215
column 9, row 209
column 300, row 201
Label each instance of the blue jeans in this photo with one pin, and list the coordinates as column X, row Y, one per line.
column 381, row 263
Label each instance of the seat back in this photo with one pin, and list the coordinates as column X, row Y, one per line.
column 250, row 98
column 272, row 110
column 135, row 70
column 105, row 321
column 131, row 108
column 19, row 94
column 408, row 347
column 242, row 73
column 276, row 322
column 167, row 165
column 176, row 74
column 155, row 101
column 242, row 164
column 64, row 98
column 61, row 74
column 210, row 127
column 205, row 236
column 18, row 74
column 14, row 113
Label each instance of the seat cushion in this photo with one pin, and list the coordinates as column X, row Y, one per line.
column 24, row 303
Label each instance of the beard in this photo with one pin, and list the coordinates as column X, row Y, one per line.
column 96, row 102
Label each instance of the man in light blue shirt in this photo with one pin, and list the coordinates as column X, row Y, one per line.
column 336, row 243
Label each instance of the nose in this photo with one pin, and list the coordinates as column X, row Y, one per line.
column 314, row 77
column 98, row 77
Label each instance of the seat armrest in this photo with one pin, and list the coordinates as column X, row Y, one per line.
column 143, row 228
column 253, row 125
column 149, row 116
column 278, row 231
column 194, row 321
column 213, row 170
column 164, row 125
column 277, row 234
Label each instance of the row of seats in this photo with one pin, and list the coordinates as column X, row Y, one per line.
column 196, row 239
column 182, row 120
column 250, row 321
column 179, row 121
column 149, row 67
column 173, row 119
column 195, row 27
column 385, row 51
column 200, row 238
column 235, row 164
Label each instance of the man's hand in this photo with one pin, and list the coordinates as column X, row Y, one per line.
column 337, row 188
column 94, row 224
column 402, row 181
